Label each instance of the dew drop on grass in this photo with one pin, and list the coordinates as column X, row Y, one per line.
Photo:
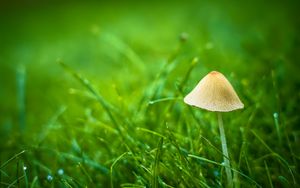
column 49, row 178
column 60, row 171
column 24, row 167
column 275, row 115
column 216, row 173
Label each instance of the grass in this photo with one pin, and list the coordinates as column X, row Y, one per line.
column 100, row 103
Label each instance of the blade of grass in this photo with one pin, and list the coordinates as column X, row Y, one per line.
column 50, row 123
column 277, row 126
column 163, row 100
column 245, row 133
column 284, row 181
column 83, row 170
column 4, row 173
column 86, row 160
column 160, row 79
column 183, row 160
column 174, row 142
column 105, row 105
column 12, row 158
column 193, row 64
column 131, row 185
column 150, row 131
column 66, row 183
column 42, row 166
column 155, row 169
column 126, row 50
column 248, row 165
column 25, row 174
column 34, row 182
column 17, row 173
column 15, row 181
column 222, row 165
column 210, row 144
column 6, row 184
column 281, row 159
column 112, row 166
column 153, row 91
column 21, row 81
column 98, row 97
column 268, row 174
column 179, row 87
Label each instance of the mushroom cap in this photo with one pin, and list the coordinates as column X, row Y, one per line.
column 214, row 93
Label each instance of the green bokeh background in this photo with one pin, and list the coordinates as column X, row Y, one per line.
column 122, row 47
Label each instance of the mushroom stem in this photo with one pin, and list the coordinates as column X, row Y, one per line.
column 225, row 151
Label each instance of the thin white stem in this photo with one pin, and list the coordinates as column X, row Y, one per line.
column 225, row 151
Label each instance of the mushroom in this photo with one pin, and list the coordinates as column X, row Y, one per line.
column 215, row 93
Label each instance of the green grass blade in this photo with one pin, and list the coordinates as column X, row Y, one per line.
column 155, row 170
column 99, row 97
column 112, row 167
column 151, row 132
column 163, row 100
column 219, row 164
column 21, row 82
column 84, row 171
column 12, row 158
column 25, row 174
column 268, row 174
column 34, row 182
column 281, row 159
column 15, row 182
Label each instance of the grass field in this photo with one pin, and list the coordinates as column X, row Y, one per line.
column 91, row 93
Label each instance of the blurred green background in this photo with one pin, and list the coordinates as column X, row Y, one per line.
column 132, row 53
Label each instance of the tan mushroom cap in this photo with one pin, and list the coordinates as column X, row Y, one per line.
column 214, row 93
